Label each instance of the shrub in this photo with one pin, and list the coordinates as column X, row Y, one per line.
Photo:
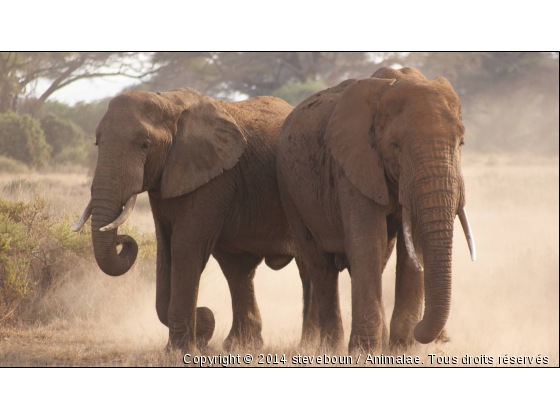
column 85, row 115
column 35, row 248
column 61, row 134
column 74, row 155
column 9, row 165
column 295, row 92
column 39, row 252
column 22, row 138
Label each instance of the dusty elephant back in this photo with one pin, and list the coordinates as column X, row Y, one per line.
column 314, row 112
column 261, row 117
column 302, row 155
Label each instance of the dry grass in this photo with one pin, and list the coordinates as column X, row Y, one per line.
column 505, row 302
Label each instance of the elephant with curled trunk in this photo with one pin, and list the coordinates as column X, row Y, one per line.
column 364, row 165
column 210, row 171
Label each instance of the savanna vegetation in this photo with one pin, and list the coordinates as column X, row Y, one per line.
column 510, row 100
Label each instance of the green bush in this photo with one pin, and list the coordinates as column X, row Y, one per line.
column 85, row 115
column 61, row 134
column 38, row 252
column 74, row 155
column 22, row 138
column 35, row 248
column 294, row 92
column 12, row 166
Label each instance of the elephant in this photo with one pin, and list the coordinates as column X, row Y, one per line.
column 362, row 166
column 209, row 168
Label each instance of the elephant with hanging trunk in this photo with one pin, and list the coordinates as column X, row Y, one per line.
column 210, row 171
column 364, row 165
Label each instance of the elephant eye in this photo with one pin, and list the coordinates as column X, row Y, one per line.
column 146, row 145
column 395, row 146
column 462, row 142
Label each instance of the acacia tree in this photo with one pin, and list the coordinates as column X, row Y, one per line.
column 472, row 73
column 227, row 74
column 20, row 72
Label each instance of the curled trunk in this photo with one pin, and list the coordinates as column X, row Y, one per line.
column 104, row 211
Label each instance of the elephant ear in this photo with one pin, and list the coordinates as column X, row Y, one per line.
column 350, row 138
column 207, row 142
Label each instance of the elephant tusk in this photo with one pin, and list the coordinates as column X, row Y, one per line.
column 128, row 207
column 467, row 229
column 84, row 218
column 407, row 233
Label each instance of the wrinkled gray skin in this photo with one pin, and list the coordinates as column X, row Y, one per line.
column 349, row 159
column 210, row 171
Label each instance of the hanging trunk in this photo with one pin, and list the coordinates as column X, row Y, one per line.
column 437, row 243
column 433, row 188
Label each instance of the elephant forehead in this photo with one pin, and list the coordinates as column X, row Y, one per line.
column 123, row 121
column 413, row 90
column 147, row 106
column 421, row 101
column 139, row 114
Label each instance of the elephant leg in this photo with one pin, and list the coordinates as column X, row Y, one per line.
column 324, row 284
column 310, row 325
column 323, row 275
column 182, row 313
column 205, row 318
column 239, row 270
column 366, row 242
column 191, row 246
column 163, row 271
column 409, row 296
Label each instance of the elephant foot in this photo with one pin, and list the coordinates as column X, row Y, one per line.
column 330, row 343
column 402, row 330
column 185, row 341
column 401, row 343
column 309, row 336
column 364, row 344
column 247, row 336
column 245, row 333
column 205, row 324
column 310, row 341
column 181, row 344
column 254, row 342
column 331, row 334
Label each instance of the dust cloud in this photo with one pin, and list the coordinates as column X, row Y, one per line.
column 505, row 302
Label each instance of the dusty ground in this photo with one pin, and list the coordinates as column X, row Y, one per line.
column 507, row 302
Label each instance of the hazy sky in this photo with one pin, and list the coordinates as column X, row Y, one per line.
column 89, row 89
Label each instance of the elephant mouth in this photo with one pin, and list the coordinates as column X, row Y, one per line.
column 115, row 254
column 123, row 217
column 407, row 233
